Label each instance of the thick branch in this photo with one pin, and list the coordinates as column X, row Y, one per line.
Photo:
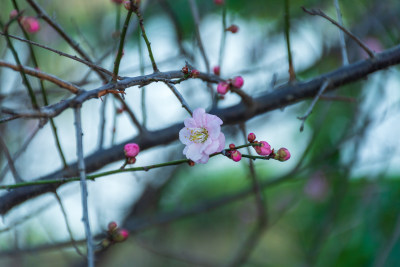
column 283, row 96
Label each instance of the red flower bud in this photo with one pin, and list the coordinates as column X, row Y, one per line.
column 251, row 137
column 233, row 28
column 216, row 70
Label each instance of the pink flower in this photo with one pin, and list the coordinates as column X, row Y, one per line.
column 30, row 24
column 238, row 81
column 217, row 70
column 222, row 88
column 131, row 150
column 202, row 136
column 236, row 156
column 264, row 149
column 282, row 154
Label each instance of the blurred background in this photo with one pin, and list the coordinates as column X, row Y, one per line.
column 334, row 203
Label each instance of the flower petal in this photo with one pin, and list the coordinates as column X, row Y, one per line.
column 193, row 152
column 190, row 123
column 204, row 159
column 198, row 115
column 221, row 140
column 184, row 135
column 213, row 147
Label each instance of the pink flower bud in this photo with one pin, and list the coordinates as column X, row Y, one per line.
column 121, row 236
column 112, row 226
column 236, row 156
column 131, row 150
column 30, row 24
column 233, row 28
column 237, row 82
column 232, row 146
column 222, row 88
column 264, row 149
column 195, row 73
column 13, row 14
column 251, row 137
column 217, row 70
column 219, row 2
column 282, row 154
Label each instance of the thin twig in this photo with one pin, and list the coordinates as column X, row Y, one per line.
column 180, row 98
column 42, row 75
column 20, row 67
column 223, row 39
column 19, row 152
column 310, row 108
column 88, row 63
column 41, row 13
column 118, row 58
column 345, row 58
column 144, row 35
column 292, row 74
column 10, row 161
column 63, row 211
column 196, row 17
column 318, row 12
column 84, row 193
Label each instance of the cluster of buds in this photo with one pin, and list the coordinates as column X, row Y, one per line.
column 224, row 87
column 30, row 24
column 114, row 235
column 264, row 149
column 232, row 153
column 127, row 5
column 192, row 73
column 131, row 151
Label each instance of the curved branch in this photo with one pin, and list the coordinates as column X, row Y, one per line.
column 283, row 96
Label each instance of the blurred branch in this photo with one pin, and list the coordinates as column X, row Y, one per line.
column 10, row 161
column 292, row 74
column 318, row 12
column 180, row 98
column 196, row 18
column 311, row 107
column 345, row 59
column 42, row 75
column 88, row 63
column 64, row 213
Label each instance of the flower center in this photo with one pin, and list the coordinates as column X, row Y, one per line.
column 198, row 135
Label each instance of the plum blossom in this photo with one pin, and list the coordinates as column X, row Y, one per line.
column 202, row 136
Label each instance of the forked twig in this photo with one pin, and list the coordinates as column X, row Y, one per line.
column 310, row 108
column 318, row 12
